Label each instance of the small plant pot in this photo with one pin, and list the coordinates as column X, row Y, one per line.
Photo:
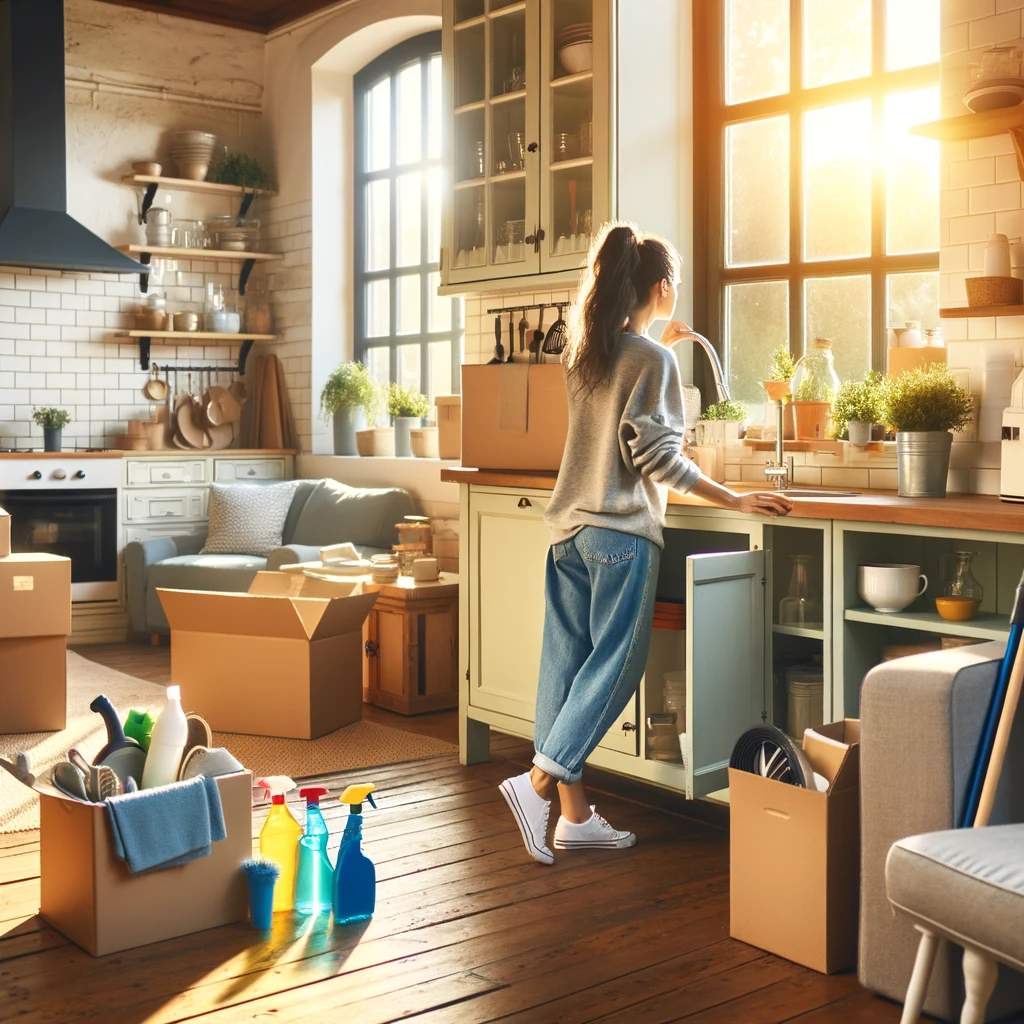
column 776, row 390
column 52, row 439
column 860, row 432
column 812, row 420
column 377, row 441
column 346, row 422
column 719, row 432
column 423, row 441
column 922, row 463
column 403, row 441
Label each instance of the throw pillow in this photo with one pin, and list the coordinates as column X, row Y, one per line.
column 248, row 519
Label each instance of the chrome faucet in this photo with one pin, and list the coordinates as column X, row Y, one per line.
column 781, row 470
column 716, row 364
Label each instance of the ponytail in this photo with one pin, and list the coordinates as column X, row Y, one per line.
column 622, row 268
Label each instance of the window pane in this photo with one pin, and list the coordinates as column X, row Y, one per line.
column 378, row 225
column 911, row 33
column 378, row 362
column 439, row 308
column 409, row 366
column 434, row 186
column 756, row 323
column 440, row 355
column 913, row 297
column 837, row 181
column 434, row 126
column 757, row 192
column 837, row 41
column 756, row 49
column 410, row 114
column 839, row 308
column 378, row 313
column 410, row 209
column 911, row 173
column 378, row 126
column 408, row 306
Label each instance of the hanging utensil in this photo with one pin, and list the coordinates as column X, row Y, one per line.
column 538, row 337
column 154, row 388
column 499, row 349
column 511, row 334
column 554, row 343
column 523, row 326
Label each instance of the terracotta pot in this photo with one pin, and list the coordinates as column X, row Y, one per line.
column 776, row 390
column 812, row 420
column 378, row 441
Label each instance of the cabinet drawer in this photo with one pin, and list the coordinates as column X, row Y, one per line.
column 160, row 506
column 225, row 470
column 166, row 472
column 171, row 529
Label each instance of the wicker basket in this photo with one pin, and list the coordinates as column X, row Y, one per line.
column 994, row 291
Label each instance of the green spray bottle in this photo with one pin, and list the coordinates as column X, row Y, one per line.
column 355, row 879
column 314, row 879
column 279, row 838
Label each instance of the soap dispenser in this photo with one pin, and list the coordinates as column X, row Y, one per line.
column 355, row 879
column 279, row 838
column 315, row 876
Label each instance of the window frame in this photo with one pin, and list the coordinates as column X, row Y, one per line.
column 713, row 115
column 390, row 64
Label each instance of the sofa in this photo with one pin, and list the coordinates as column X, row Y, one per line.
column 322, row 512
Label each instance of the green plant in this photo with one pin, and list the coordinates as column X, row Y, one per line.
column 927, row 398
column 51, row 419
column 725, row 410
column 350, row 386
column 403, row 401
column 860, row 401
column 782, row 366
column 240, row 169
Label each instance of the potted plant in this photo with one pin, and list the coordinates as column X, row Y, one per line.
column 53, row 421
column 240, row 169
column 722, row 423
column 408, row 408
column 780, row 375
column 857, row 407
column 923, row 406
column 353, row 399
column 814, row 389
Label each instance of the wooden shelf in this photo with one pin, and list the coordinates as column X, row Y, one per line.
column 468, row 108
column 470, row 183
column 508, row 176
column 988, row 626
column 580, row 76
column 508, row 97
column 210, row 188
column 963, row 312
column 182, row 253
column 238, row 338
column 807, row 634
column 480, row 19
column 972, row 126
column 570, row 165
column 508, row 9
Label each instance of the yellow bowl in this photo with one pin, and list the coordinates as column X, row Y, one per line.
column 957, row 609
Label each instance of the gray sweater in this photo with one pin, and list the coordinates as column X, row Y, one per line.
column 624, row 447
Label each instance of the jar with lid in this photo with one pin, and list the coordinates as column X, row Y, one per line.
column 960, row 594
column 663, row 738
column 814, row 388
column 802, row 604
column 257, row 306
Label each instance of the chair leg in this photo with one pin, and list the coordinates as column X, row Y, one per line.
column 926, row 950
column 980, row 975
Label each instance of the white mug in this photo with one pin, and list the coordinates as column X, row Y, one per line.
column 890, row 587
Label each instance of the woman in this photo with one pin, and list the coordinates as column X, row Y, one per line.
column 622, row 454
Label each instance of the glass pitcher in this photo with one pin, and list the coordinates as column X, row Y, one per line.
column 802, row 604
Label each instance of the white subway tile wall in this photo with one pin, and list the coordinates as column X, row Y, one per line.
column 479, row 344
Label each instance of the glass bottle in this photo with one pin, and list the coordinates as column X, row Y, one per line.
column 815, row 379
column 961, row 590
column 802, row 604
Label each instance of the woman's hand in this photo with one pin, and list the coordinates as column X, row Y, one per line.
column 765, row 503
column 675, row 331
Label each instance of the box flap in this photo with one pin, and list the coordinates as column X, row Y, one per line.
column 341, row 615
column 448, row 400
column 236, row 614
column 833, row 751
column 326, row 605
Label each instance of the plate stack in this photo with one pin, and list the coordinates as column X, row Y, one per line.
column 234, row 234
column 192, row 152
column 576, row 47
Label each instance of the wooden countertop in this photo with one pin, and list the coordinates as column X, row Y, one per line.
column 962, row 511
column 181, row 453
column 62, row 455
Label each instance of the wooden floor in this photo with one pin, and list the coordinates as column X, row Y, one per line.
column 467, row 930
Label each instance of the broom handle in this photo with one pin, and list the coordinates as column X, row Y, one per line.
column 1002, row 740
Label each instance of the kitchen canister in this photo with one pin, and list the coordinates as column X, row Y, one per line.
column 805, row 693
column 997, row 256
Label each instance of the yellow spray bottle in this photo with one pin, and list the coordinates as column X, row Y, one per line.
column 279, row 839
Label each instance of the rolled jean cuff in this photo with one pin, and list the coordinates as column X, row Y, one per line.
column 545, row 764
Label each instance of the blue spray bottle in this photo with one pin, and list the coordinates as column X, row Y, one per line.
column 355, row 879
column 313, row 880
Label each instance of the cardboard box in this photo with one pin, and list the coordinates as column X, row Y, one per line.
column 33, row 684
column 35, row 595
column 285, row 659
column 5, row 534
column 899, row 360
column 795, row 856
column 514, row 416
column 90, row 896
column 449, row 426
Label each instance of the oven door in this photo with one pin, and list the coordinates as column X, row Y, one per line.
column 78, row 524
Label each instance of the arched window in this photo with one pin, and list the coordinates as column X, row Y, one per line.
column 404, row 331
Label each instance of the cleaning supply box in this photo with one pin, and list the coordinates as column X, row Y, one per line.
column 285, row 659
column 795, row 856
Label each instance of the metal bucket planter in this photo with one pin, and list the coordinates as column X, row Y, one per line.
column 922, row 462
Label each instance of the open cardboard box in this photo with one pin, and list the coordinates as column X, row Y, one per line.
column 795, row 856
column 285, row 659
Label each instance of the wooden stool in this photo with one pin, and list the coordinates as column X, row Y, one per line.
column 412, row 645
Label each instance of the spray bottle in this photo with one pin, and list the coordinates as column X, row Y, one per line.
column 315, row 875
column 355, row 879
column 279, row 838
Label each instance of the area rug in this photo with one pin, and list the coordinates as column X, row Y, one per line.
column 360, row 745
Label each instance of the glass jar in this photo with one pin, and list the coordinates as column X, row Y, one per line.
column 802, row 604
column 256, row 304
column 961, row 594
column 815, row 379
column 663, row 738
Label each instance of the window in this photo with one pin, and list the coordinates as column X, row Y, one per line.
column 828, row 219
column 404, row 331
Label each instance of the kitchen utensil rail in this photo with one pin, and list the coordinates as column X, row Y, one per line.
column 520, row 307
column 239, row 366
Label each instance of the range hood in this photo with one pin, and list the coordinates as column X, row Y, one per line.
column 35, row 229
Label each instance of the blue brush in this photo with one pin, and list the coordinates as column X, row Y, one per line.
column 261, row 876
column 976, row 779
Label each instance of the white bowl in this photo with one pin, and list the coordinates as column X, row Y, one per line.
column 577, row 57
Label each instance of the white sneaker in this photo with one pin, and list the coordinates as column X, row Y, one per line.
column 594, row 833
column 531, row 812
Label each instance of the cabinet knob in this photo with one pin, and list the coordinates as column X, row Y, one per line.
column 628, row 727
column 37, row 475
column 532, row 147
column 372, row 647
column 530, row 239
column 167, row 476
column 525, row 503
column 80, row 475
column 252, row 472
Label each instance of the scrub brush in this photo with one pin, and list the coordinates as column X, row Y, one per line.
column 261, row 877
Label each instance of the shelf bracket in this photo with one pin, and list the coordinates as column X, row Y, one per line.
column 243, row 277
column 144, row 258
column 243, row 355
column 144, row 346
column 246, row 203
column 147, row 201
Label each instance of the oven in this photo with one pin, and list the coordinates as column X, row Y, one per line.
column 66, row 506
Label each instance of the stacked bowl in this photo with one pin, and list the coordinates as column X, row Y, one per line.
column 234, row 234
column 576, row 47
column 192, row 152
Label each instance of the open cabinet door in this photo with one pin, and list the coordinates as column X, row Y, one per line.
column 725, row 661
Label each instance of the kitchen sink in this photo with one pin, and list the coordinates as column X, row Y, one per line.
column 796, row 492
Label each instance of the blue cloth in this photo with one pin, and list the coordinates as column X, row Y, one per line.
column 599, row 607
column 168, row 825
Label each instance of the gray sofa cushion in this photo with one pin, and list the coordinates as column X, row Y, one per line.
column 206, row 572
column 334, row 512
column 967, row 883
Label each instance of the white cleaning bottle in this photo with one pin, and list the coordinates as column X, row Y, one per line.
column 167, row 743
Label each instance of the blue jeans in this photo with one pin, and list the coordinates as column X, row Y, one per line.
column 599, row 605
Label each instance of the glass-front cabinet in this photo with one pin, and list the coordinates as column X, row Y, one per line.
column 530, row 147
